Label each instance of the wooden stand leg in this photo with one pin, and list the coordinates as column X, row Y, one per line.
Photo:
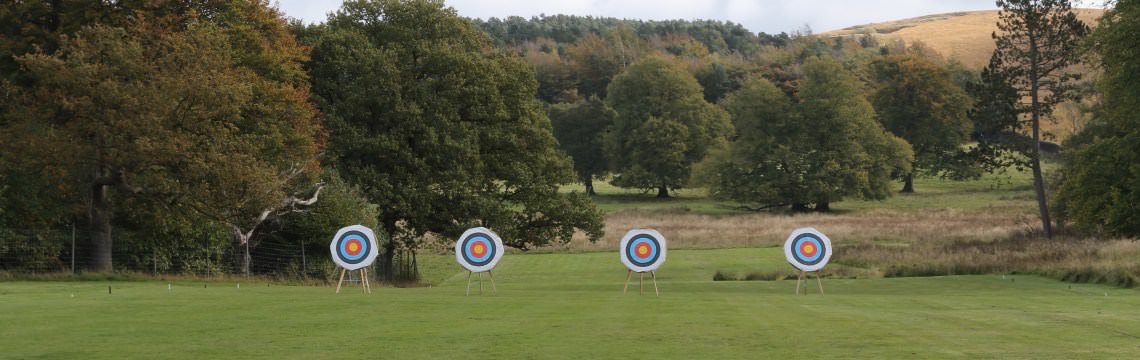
column 492, row 275
column 654, row 275
column 367, row 281
column 341, row 281
column 629, row 274
column 480, row 283
column 799, row 278
column 641, row 283
column 820, row 281
column 364, row 285
column 468, row 283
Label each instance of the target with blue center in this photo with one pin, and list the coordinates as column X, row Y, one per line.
column 808, row 249
column 353, row 247
column 478, row 249
column 642, row 250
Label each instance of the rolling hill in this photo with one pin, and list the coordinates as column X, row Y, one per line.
column 962, row 35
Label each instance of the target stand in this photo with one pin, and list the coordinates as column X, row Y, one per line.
column 642, row 251
column 365, row 285
column 489, row 273
column 803, row 276
column 641, row 281
column 808, row 250
column 478, row 250
column 354, row 248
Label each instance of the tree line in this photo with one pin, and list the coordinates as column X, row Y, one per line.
column 218, row 126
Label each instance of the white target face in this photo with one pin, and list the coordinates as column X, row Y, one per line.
column 808, row 249
column 478, row 249
column 642, row 250
column 353, row 247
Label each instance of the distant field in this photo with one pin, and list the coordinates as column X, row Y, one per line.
column 570, row 306
column 963, row 35
column 986, row 209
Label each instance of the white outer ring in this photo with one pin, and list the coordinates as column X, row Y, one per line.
column 629, row 236
column 372, row 251
column 808, row 230
column 494, row 260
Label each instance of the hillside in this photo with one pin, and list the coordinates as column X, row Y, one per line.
column 963, row 35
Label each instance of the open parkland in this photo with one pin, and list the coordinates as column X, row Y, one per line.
column 568, row 304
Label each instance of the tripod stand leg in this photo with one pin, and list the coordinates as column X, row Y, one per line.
column 629, row 274
column 340, row 282
column 654, row 275
column 492, row 275
column 641, row 283
column 820, row 281
column 468, row 283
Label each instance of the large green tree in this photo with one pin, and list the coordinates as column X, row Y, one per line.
column 824, row 148
column 1037, row 41
column 663, row 126
column 209, row 121
column 1102, row 176
column 580, row 129
column 917, row 100
column 439, row 130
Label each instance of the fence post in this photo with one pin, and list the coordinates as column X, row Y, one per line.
column 72, row 247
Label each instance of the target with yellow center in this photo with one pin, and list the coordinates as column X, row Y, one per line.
column 478, row 249
column 353, row 247
column 808, row 249
column 642, row 250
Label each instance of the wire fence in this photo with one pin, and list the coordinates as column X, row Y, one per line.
column 62, row 251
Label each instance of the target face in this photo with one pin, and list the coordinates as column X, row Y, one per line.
column 353, row 247
column 642, row 250
column 478, row 249
column 808, row 249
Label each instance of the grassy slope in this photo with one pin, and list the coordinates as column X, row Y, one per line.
column 571, row 306
column 963, row 35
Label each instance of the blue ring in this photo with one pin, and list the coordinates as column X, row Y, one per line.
column 649, row 259
column 803, row 258
column 471, row 243
column 342, row 247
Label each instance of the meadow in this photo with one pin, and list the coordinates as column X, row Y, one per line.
column 566, row 302
column 571, row 306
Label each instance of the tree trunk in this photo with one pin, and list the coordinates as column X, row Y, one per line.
column 663, row 192
column 823, row 206
column 1035, row 159
column 241, row 251
column 589, row 186
column 100, row 229
column 1038, row 178
column 908, row 184
column 799, row 207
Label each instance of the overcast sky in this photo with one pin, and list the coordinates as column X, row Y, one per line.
column 770, row 16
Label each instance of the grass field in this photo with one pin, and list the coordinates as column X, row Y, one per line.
column 570, row 306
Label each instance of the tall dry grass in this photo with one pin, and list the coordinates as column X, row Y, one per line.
column 1113, row 262
column 696, row 231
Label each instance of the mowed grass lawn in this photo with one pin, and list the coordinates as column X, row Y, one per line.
column 570, row 306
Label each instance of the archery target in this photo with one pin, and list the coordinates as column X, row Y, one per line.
column 808, row 249
column 478, row 249
column 353, row 247
column 642, row 250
